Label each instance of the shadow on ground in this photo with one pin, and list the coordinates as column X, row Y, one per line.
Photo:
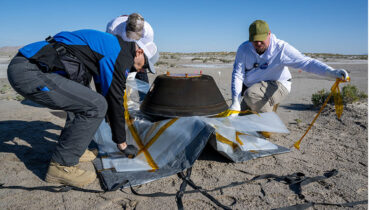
column 299, row 107
column 31, row 103
column 31, row 142
column 209, row 153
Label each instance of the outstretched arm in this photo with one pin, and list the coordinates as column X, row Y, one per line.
column 293, row 58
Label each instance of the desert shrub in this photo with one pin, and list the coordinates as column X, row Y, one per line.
column 349, row 94
column 197, row 59
column 329, row 55
column 206, row 60
column 212, row 59
column 160, row 63
column 19, row 98
column 225, row 60
column 319, row 97
column 5, row 89
column 175, row 57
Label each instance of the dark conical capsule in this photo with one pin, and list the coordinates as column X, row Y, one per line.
column 183, row 95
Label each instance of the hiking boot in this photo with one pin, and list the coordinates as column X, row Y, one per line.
column 89, row 155
column 69, row 175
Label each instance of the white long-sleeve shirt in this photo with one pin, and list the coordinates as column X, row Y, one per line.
column 278, row 56
column 117, row 26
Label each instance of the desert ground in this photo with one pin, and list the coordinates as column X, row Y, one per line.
column 28, row 134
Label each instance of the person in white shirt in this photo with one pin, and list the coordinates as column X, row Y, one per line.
column 261, row 66
column 133, row 28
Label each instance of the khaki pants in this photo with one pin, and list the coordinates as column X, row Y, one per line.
column 262, row 96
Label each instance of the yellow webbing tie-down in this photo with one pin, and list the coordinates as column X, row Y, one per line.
column 229, row 112
column 338, row 107
column 224, row 140
column 237, row 133
column 156, row 136
column 137, row 137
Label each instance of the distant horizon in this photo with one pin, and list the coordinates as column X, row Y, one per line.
column 1, row 47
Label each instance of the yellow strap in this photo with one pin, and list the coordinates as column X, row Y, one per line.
column 151, row 130
column 224, row 140
column 338, row 104
column 156, row 136
column 237, row 133
column 229, row 112
column 136, row 136
column 230, row 143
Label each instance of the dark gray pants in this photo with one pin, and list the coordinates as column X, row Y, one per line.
column 85, row 107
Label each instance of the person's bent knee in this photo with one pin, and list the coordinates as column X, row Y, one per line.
column 260, row 106
column 266, row 108
column 254, row 101
column 102, row 107
column 99, row 109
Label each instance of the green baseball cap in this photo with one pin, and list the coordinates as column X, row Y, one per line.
column 258, row 31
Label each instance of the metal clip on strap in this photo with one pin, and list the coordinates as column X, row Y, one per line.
column 50, row 39
column 61, row 50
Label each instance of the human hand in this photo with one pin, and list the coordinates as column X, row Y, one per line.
column 235, row 106
column 234, row 109
column 342, row 74
column 339, row 74
column 129, row 151
column 122, row 146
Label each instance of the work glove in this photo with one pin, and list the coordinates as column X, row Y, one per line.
column 130, row 151
column 338, row 74
column 235, row 106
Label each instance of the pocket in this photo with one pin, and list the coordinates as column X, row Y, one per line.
column 27, row 82
column 75, row 69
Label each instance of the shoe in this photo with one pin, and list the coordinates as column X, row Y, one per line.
column 69, row 175
column 130, row 151
column 89, row 155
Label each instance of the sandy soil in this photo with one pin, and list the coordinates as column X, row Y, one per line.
column 28, row 134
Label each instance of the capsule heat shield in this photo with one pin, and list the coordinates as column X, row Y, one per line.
column 181, row 96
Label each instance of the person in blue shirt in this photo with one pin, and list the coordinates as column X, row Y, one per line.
column 57, row 72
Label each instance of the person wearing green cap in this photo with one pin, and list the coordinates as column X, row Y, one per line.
column 261, row 69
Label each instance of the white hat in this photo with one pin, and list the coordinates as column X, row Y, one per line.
column 118, row 25
column 151, row 52
column 135, row 26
